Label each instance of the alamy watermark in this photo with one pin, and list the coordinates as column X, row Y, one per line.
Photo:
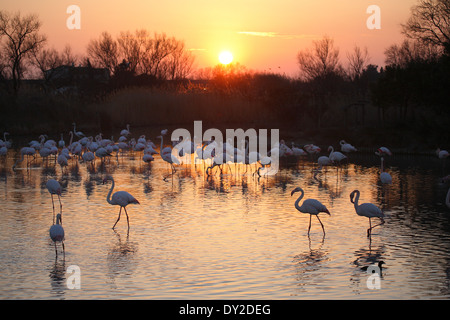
column 73, row 22
column 74, row 279
column 374, row 279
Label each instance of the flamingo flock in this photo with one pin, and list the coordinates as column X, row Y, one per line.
column 211, row 154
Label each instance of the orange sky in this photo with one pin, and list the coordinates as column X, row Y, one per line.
column 262, row 35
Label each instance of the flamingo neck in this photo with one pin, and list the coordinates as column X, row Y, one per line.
column 108, row 197
column 332, row 150
column 355, row 202
column 160, row 150
column 298, row 200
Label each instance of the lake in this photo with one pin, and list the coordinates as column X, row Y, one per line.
column 229, row 236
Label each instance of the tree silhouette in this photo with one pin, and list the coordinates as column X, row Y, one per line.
column 430, row 23
column 22, row 38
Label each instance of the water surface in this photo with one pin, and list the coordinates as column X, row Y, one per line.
column 230, row 236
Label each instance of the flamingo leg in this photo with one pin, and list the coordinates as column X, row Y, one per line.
column 369, row 231
column 60, row 204
column 382, row 222
column 309, row 223
column 53, row 205
column 117, row 218
column 128, row 221
column 321, row 224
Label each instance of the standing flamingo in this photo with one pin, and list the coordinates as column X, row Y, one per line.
column 368, row 210
column 79, row 134
column 384, row 176
column 54, row 187
column 119, row 198
column 57, row 233
column 125, row 132
column 442, row 154
column 347, row 147
column 336, row 156
column 311, row 206
column 25, row 151
column 166, row 153
column 383, row 150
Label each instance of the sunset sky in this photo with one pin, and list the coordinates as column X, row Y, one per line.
column 262, row 35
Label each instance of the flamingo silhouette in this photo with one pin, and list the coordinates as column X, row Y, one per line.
column 57, row 233
column 368, row 210
column 54, row 187
column 311, row 206
column 119, row 198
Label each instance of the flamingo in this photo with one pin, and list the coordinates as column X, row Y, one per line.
column 102, row 153
column 368, row 210
column 442, row 154
column 3, row 151
column 147, row 158
column 54, row 187
column 384, row 176
column 57, row 233
column 166, row 153
column 79, row 134
column 61, row 143
column 347, row 147
column 5, row 143
column 311, row 148
column 119, row 198
column 335, row 156
column 322, row 162
column 125, row 132
column 383, row 150
column 311, row 206
column 62, row 161
column 25, row 151
column 88, row 157
column 298, row 152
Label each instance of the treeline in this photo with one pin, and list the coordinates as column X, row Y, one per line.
column 153, row 83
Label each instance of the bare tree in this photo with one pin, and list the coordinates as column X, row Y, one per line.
column 321, row 60
column 22, row 37
column 357, row 62
column 179, row 64
column 429, row 23
column 131, row 47
column 156, row 50
column 103, row 52
column 408, row 51
column 46, row 60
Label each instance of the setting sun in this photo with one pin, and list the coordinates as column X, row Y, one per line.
column 225, row 57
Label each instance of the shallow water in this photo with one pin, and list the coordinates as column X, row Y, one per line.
column 225, row 237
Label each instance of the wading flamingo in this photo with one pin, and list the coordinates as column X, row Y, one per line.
column 54, row 187
column 119, row 198
column 368, row 210
column 311, row 206
column 57, row 233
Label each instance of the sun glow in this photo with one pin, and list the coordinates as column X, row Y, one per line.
column 225, row 57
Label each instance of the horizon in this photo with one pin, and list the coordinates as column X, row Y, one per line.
column 263, row 38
